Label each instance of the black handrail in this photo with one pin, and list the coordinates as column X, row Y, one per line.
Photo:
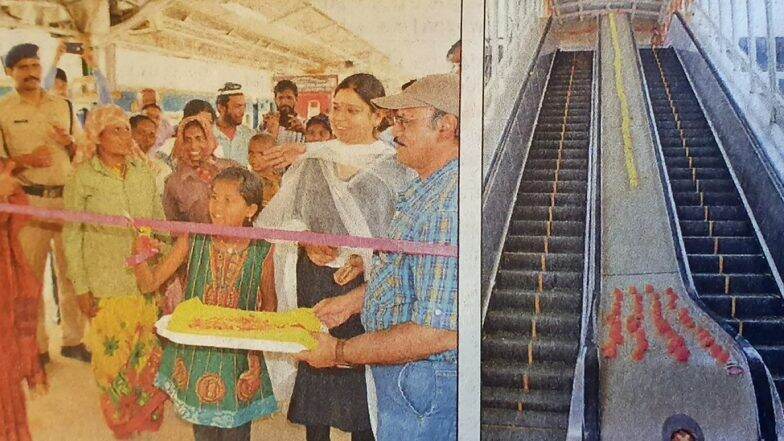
column 766, row 418
column 591, row 408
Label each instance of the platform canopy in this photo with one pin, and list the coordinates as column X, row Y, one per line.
column 293, row 36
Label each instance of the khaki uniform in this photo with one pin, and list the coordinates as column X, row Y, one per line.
column 25, row 126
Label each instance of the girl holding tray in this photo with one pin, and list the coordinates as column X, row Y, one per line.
column 220, row 391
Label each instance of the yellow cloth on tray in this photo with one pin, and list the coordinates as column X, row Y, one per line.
column 295, row 326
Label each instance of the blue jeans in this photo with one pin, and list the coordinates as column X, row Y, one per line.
column 417, row 401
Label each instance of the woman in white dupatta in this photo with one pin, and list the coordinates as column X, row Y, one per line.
column 345, row 186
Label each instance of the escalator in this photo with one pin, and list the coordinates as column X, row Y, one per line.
column 731, row 273
column 531, row 332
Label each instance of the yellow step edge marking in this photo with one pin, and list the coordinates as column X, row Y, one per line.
column 540, row 282
column 530, row 352
column 544, row 262
column 715, row 245
column 537, row 304
column 519, row 406
column 626, row 131
column 533, row 328
column 740, row 328
column 721, row 264
column 710, row 223
column 547, row 244
column 707, row 213
column 526, row 382
column 733, row 305
column 702, row 202
column 726, row 284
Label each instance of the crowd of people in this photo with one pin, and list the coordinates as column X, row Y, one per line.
column 378, row 165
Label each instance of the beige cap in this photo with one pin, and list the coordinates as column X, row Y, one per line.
column 441, row 91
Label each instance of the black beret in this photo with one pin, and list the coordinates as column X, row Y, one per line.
column 60, row 75
column 20, row 52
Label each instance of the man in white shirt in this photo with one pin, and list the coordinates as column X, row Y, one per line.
column 233, row 136
column 285, row 125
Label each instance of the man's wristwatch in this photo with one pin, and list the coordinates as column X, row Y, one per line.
column 340, row 356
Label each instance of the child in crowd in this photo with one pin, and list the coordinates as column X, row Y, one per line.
column 318, row 129
column 220, row 391
column 270, row 178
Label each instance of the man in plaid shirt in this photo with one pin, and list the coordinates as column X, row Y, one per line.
column 409, row 305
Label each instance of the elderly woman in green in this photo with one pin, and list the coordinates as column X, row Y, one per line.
column 125, row 349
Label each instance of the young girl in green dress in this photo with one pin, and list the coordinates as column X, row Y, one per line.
column 220, row 391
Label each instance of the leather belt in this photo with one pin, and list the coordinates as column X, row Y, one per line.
column 44, row 191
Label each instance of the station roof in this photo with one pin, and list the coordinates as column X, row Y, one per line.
column 295, row 36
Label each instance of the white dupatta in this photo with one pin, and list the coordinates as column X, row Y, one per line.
column 361, row 206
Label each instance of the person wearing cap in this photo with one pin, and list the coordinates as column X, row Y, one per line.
column 233, row 136
column 56, row 79
column 409, row 304
column 149, row 104
column 38, row 131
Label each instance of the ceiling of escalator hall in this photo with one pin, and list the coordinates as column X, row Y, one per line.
column 638, row 9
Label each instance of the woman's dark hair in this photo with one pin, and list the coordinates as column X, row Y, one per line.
column 135, row 120
column 365, row 85
column 193, row 123
column 195, row 107
column 368, row 88
column 250, row 186
column 319, row 119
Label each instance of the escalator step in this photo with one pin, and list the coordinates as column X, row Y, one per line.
column 550, row 301
column 513, row 346
column 571, row 280
column 501, row 433
column 539, row 228
column 548, row 401
column 534, row 261
column 529, row 418
column 734, row 283
column 738, row 264
column 746, row 307
column 522, row 322
column 722, row 245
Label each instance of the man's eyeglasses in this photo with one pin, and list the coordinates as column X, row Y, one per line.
column 406, row 122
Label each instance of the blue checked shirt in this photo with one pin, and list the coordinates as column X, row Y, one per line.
column 419, row 289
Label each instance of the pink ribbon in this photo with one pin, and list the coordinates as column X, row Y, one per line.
column 380, row 244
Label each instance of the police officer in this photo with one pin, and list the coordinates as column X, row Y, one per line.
column 38, row 131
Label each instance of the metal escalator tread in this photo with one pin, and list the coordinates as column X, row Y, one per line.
column 731, row 274
column 531, row 332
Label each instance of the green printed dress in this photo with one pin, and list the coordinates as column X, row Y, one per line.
column 212, row 386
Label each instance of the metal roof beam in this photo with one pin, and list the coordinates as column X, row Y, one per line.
column 595, row 12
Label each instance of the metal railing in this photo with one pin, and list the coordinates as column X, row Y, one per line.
column 715, row 39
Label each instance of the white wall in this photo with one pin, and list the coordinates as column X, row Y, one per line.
column 136, row 69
